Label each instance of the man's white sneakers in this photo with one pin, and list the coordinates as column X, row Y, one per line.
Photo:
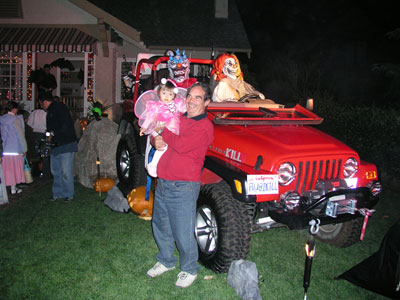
column 158, row 269
column 185, row 279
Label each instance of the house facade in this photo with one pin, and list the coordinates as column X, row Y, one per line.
column 92, row 46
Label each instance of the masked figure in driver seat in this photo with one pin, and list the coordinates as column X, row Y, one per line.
column 229, row 77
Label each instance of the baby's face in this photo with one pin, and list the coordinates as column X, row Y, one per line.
column 167, row 95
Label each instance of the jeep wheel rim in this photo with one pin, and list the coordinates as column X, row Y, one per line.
column 206, row 230
column 124, row 163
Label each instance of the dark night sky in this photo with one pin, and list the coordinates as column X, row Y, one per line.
column 343, row 37
column 280, row 21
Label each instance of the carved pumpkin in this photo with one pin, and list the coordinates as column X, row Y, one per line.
column 137, row 202
column 105, row 184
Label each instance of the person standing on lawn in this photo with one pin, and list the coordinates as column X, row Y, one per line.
column 37, row 120
column 14, row 147
column 178, row 186
column 59, row 122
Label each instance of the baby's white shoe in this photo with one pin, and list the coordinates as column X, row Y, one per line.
column 152, row 169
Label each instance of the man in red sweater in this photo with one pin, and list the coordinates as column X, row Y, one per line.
column 178, row 186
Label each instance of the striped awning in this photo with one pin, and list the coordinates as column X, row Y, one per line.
column 38, row 39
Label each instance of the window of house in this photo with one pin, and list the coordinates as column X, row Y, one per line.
column 15, row 70
column 11, row 77
column 125, row 78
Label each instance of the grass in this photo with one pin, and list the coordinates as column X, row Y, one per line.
column 83, row 250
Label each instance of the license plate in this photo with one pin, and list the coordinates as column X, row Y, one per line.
column 262, row 184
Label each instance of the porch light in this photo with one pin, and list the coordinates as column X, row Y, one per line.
column 310, row 104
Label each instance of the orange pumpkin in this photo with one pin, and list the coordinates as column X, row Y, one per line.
column 105, row 185
column 137, row 202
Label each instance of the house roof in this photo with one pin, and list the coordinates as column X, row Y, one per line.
column 180, row 23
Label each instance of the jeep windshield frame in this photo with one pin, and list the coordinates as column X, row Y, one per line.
column 155, row 62
column 238, row 115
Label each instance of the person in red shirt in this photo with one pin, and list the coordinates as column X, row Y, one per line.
column 178, row 186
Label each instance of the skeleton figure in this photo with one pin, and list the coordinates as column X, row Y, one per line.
column 229, row 78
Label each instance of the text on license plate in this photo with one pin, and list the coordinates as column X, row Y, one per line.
column 262, row 184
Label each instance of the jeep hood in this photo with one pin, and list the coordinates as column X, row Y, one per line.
column 275, row 143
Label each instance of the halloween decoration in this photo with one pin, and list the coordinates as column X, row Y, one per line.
column 310, row 253
column 103, row 184
column 36, row 76
column 380, row 272
column 97, row 111
column 63, row 63
column 98, row 173
column 179, row 69
column 100, row 138
column 138, row 204
column 229, row 77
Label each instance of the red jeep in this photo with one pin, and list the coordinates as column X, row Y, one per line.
column 267, row 167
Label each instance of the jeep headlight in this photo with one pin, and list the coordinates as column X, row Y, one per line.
column 286, row 173
column 350, row 167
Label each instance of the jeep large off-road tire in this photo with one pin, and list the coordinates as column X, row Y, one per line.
column 130, row 164
column 341, row 234
column 222, row 227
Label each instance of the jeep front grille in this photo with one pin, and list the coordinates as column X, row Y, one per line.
column 308, row 172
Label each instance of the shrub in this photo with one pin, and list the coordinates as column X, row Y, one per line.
column 374, row 132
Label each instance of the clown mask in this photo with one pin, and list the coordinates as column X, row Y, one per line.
column 231, row 68
column 178, row 66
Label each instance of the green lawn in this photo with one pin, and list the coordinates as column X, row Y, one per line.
column 83, row 250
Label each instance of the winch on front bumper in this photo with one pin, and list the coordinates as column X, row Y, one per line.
column 326, row 203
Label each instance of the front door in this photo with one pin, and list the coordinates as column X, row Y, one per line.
column 76, row 88
column 71, row 85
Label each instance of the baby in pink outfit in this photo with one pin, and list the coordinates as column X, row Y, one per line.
column 162, row 109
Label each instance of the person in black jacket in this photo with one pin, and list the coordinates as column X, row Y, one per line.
column 59, row 122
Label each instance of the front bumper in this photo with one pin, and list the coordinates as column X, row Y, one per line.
column 334, row 207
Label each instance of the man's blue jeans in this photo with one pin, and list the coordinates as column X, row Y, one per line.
column 62, row 168
column 173, row 221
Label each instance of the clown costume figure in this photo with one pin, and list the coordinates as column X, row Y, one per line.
column 179, row 69
column 229, row 78
column 159, row 109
